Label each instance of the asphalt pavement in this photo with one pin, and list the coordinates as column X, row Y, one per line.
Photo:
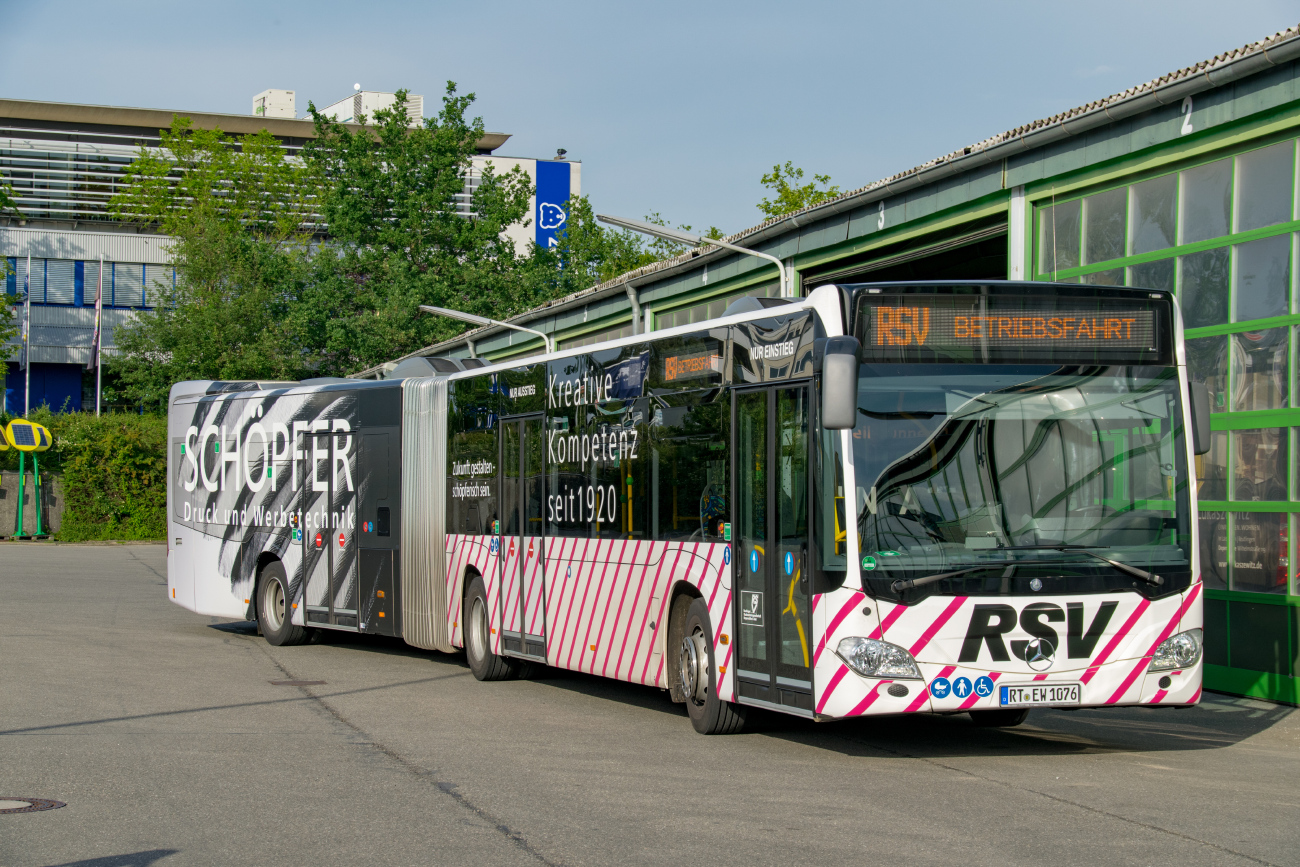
column 165, row 734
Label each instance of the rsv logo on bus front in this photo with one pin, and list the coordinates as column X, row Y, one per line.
column 990, row 623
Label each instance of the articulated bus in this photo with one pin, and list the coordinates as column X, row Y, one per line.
column 879, row 499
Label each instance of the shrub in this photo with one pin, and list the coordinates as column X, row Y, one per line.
column 114, row 473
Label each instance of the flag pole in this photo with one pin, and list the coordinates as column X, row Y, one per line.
column 99, row 306
column 27, row 339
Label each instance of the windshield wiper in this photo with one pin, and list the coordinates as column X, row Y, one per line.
column 1148, row 577
column 908, row 583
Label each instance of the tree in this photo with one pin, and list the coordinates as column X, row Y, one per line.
column 790, row 195
column 403, row 234
column 240, row 214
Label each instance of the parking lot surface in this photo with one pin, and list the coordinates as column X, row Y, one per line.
column 164, row 733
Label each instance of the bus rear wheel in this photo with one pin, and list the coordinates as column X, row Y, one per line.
column 274, row 616
column 709, row 714
column 484, row 664
column 999, row 719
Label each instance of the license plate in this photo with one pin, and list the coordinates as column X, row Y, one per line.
column 1035, row 694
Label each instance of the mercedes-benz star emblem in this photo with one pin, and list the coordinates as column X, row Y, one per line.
column 1038, row 653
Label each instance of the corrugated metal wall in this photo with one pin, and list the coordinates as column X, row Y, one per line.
column 424, row 537
column 113, row 246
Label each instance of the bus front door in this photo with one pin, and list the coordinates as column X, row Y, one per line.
column 522, row 599
column 771, row 482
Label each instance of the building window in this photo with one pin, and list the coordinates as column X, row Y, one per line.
column 60, row 281
column 128, row 284
column 1223, row 236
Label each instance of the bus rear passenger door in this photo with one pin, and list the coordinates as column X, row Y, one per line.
column 771, row 537
column 522, row 598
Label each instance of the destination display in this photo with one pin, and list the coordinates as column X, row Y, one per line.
column 991, row 328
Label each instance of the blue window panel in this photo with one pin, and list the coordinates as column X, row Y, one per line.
column 79, row 285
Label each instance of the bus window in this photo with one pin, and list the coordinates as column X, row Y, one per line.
column 688, row 466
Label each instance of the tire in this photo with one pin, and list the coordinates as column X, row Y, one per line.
column 999, row 719
column 485, row 664
column 273, row 612
column 694, row 675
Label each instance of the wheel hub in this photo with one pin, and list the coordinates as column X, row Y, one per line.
column 694, row 666
column 273, row 603
column 478, row 629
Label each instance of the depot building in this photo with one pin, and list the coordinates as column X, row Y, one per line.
column 1187, row 183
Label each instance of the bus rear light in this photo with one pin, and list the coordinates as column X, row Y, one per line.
column 1177, row 652
column 872, row 658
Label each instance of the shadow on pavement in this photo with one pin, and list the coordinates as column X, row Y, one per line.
column 1044, row 733
column 135, row 859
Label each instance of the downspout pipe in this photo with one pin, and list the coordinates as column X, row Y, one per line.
column 636, row 307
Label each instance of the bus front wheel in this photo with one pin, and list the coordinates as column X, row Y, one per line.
column 709, row 714
column 274, row 616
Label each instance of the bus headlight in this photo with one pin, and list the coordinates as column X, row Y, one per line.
column 1179, row 651
column 871, row 658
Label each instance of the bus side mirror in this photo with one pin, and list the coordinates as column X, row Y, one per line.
column 1200, row 399
column 840, row 383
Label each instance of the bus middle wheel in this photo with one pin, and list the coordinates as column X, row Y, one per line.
column 709, row 714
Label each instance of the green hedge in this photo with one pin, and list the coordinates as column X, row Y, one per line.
column 114, row 471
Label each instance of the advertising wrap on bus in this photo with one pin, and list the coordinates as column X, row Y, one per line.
column 1005, row 523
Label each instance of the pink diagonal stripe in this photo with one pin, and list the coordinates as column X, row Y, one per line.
column 588, row 615
column 1159, row 697
column 554, row 601
column 573, row 622
column 894, row 613
column 1164, row 633
column 869, row 700
column 1133, row 618
column 572, row 586
column 1040, row 677
column 726, row 607
column 937, row 625
column 831, row 685
column 835, row 622
column 658, row 621
column 604, row 618
column 618, row 615
column 646, row 612
column 632, row 610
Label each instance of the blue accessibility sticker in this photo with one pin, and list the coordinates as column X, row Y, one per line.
column 726, row 556
column 940, row 687
column 961, row 687
column 753, row 561
column 983, row 686
column 789, row 563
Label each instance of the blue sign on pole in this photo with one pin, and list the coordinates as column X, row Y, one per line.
column 552, row 211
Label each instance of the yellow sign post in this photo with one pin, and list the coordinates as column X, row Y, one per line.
column 28, row 436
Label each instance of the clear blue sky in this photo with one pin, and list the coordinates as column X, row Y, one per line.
column 675, row 107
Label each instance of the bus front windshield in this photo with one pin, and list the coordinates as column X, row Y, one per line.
column 1021, row 477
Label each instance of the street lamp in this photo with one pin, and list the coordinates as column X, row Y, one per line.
column 680, row 237
column 483, row 320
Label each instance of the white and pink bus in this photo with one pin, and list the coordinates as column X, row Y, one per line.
column 878, row 499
